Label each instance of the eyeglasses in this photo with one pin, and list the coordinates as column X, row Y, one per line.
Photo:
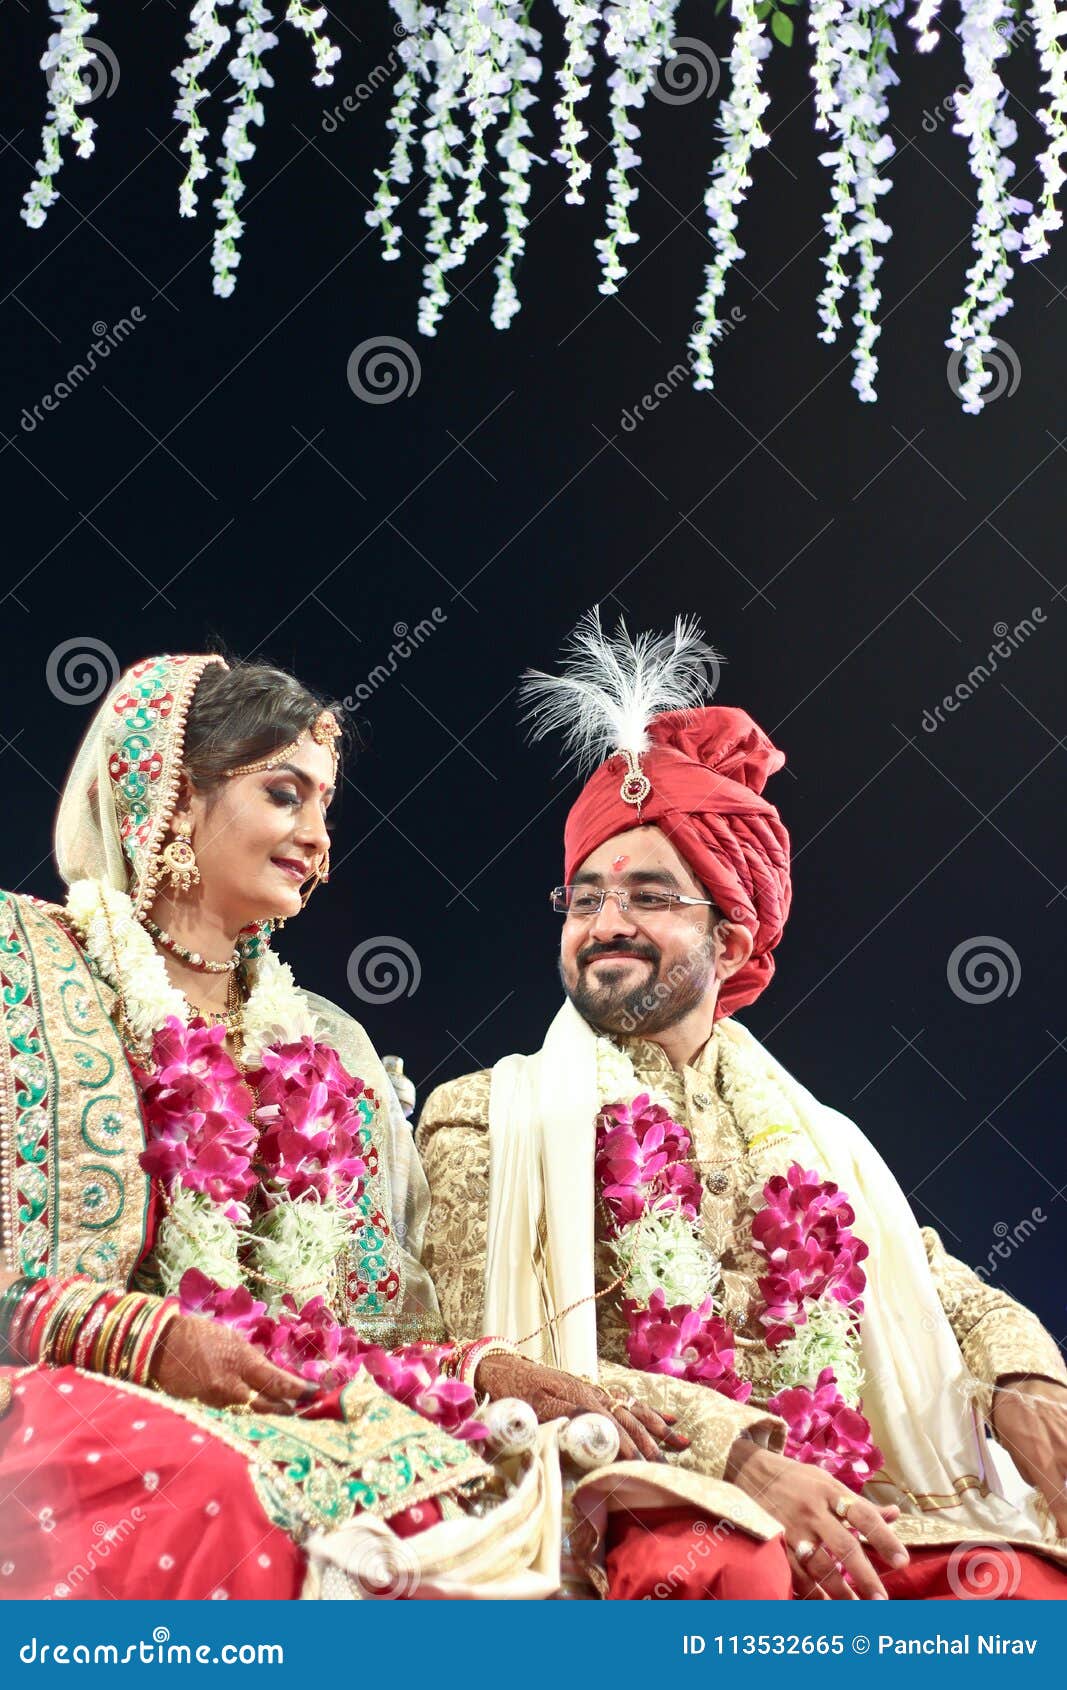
column 583, row 901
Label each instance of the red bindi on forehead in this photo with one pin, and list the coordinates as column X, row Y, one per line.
column 618, row 864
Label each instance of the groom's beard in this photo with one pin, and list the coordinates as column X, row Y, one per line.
column 655, row 1003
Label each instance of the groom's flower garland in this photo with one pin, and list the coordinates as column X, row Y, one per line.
column 811, row 1290
column 296, row 1128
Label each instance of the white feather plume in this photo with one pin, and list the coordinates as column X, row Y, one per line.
column 611, row 686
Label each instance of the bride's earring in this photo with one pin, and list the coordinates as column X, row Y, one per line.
column 179, row 858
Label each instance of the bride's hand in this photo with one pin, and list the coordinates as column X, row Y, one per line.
column 553, row 1396
column 211, row 1363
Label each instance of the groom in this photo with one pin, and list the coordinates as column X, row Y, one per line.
column 595, row 1203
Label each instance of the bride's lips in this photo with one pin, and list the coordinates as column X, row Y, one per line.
column 289, row 866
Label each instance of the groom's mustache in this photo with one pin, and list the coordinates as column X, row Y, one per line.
column 593, row 952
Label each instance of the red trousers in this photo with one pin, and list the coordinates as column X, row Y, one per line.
column 676, row 1554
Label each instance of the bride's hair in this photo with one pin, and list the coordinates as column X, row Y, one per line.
column 243, row 713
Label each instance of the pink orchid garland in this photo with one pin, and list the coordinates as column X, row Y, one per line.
column 803, row 1233
column 205, row 1132
column 641, row 1163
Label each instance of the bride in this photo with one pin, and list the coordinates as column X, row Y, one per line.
column 216, row 1343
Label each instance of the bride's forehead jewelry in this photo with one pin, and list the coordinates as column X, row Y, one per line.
column 324, row 730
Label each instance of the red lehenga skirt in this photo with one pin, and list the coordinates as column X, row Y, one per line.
column 109, row 1491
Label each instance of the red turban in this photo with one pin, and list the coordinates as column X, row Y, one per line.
column 708, row 768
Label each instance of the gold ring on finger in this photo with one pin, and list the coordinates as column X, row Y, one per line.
column 805, row 1549
column 842, row 1506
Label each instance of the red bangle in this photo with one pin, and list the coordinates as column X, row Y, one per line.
column 44, row 1289
column 141, row 1362
column 33, row 1320
column 82, row 1347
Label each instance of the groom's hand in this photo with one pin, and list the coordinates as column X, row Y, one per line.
column 1030, row 1419
column 554, row 1396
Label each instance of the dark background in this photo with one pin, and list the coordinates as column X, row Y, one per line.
column 218, row 476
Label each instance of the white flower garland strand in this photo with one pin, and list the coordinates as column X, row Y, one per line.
column 309, row 21
column 206, row 37
column 246, row 69
column 989, row 131
column 1049, row 25
column 516, row 159
column 858, row 38
column 922, row 21
column 416, row 55
column 638, row 41
column 743, row 134
column 581, row 29
column 66, row 58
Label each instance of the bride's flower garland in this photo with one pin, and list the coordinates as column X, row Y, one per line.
column 295, row 1127
column 811, row 1290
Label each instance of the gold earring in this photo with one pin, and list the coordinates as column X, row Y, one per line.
column 179, row 859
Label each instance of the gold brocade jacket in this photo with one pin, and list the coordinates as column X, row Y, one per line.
column 997, row 1335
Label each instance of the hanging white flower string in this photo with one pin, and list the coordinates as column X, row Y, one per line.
column 415, row 21
column 581, row 27
column 309, row 21
column 1049, row 25
column 638, row 41
column 989, row 131
column 857, row 39
column 922, row 21
column 468, row 76
column 206, row 38
column 247, row 71
column 515, row 160
column 63, row 63
column 739, row 124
